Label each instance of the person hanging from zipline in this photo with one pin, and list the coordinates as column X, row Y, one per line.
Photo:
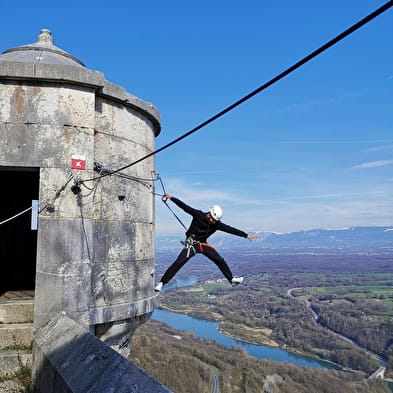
column 203, row 225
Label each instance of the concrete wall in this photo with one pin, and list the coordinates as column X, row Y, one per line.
column 68, row 359
column 95, row 258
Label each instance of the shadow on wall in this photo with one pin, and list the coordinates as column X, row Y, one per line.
column 67, row 358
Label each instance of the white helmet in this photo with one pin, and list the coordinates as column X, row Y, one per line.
column 216, row 212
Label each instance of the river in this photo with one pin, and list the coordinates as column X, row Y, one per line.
column 209, row 329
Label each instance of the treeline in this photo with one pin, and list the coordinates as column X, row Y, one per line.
column 262, row 302
column 289, row 320
column 183, row 363
column 353, row 318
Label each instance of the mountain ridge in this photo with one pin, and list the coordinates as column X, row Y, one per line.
column 353, row 238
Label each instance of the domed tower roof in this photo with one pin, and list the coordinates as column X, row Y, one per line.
column 43, row 61
column 43, row 51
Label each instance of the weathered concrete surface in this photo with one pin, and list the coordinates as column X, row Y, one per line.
column 16, row 331
column 113, row 313
column 11, row 387
column 12, row 70
column 16, row 311
column 69, row 359
column 95, row 250
column 13, row 334
column 11, row 361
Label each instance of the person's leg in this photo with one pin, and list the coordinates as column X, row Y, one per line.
column 214, row 256
column 182, row 258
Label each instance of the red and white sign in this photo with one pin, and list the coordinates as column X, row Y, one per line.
column 78, row 162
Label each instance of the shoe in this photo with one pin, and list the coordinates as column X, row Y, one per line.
column 237, row 280
column 158, row 287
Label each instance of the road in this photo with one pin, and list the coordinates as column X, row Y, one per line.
column 377, row 373
column 213, row 377
column 215, row 383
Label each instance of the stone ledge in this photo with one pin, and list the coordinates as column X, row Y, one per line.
column 16, row 311
column 11, row 361
column 13, row 334
column 117, row 312
column 67, row 358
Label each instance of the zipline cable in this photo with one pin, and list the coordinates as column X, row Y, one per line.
column 289, row 70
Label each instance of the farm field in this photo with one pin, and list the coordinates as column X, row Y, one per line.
column 353, row 296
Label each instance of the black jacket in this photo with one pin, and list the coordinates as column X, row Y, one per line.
column 200, row 227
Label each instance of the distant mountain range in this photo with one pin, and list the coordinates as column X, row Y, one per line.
column 354, row 238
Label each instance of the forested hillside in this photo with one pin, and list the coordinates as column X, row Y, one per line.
column 184, row 363
column 351, row 294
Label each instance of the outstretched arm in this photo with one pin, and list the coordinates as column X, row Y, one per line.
column 234, row 231
column 181, row 204
column 251, row 237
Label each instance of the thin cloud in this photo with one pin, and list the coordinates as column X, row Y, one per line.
column 380, row 148
column 314, row 104
column 327, row 142
column 373, row 164
column 310, row 215
column 321, row 196
column 194, row 194
column 329, row 210
column 191, row 172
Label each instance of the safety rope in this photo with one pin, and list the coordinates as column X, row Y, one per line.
column 48, row 205
column 16, row 215
column 165, row 202
column 106, row 170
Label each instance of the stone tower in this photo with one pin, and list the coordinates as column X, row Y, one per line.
column 89, row 248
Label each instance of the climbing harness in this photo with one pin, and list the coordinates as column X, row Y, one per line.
column 202, row 245
column 190, row 243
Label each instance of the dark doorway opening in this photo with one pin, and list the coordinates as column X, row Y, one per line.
column 18, row 241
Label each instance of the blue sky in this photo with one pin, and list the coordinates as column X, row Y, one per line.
column 314, row 150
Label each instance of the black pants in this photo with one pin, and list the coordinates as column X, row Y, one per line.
column 187, row 253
